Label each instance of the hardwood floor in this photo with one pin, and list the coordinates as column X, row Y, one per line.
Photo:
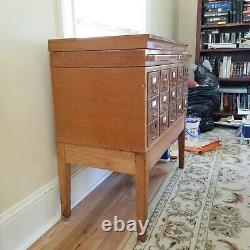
column 114, row 197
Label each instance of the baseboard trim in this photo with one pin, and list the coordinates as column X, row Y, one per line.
column 27, row 220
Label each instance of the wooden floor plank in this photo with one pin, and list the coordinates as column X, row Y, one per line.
column 114, row 197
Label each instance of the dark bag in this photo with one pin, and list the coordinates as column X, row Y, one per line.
column 205, row 99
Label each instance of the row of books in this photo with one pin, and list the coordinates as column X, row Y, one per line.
column 222, row 12
column 224, row 67
column 228, row 102
column 244, row 101
column 234, row 102
column 215, row 36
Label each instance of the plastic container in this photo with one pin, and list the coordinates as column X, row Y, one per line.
column 192, row 127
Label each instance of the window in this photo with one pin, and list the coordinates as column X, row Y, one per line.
column 90, row 18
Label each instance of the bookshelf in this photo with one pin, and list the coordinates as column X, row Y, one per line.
column 229, row 64
column 224, row 26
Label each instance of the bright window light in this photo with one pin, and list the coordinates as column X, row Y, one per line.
column 104, row 18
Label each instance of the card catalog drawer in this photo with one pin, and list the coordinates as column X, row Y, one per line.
column 153, row 108
column 186, row 72
column 180, row 72
column 153, row 131
column 179, row 108
column 179, row 90
column 164, row 86
column 153, row 83
column 172, row 115
column 164, row 102
column 173, row 74
column 163, row 122
column 172, row 97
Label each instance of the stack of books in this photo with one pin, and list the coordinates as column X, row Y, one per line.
column 246, row 12
column 217, row 12
column 225, row 67
column 223, row 12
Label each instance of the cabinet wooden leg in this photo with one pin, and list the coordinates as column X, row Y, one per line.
column 142, row 185
column 64, row 172
column 181, row 144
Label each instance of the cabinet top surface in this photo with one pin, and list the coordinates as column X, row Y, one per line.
column 140, row 41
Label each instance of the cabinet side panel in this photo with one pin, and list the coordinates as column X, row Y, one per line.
column 102, row 107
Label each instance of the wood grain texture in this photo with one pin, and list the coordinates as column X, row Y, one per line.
column 158, row 149
column 101, row 89
column 142, row 186
column 198, row 32
column 118, row 161
column 115, row 58
column 64, row 173
column 141, row 41
column 104, row 58
column 97, row 107
column 181, row 145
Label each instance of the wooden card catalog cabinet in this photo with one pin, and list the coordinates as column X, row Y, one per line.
column 119, row 103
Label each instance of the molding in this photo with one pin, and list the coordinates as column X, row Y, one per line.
column 27, row 220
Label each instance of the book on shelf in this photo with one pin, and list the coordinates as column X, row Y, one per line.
column 221, row 46
column 233, row 90
column 220, row 39
column 226, row 67
column 234, row 103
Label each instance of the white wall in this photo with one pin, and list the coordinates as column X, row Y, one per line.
column 161, row 18
column 186, row 24
column 27, row 143
column 29, row 199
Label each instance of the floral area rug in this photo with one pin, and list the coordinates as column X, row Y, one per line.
column 206, row 205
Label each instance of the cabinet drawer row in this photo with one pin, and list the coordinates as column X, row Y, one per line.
column 158, row 126
column 162, row 80
column 161, row 103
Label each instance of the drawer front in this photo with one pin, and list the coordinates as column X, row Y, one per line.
column 164, row 102
column 173, row 77
column 173, row 74
column 179, row 90
column 180, row 72
column 153, row 131
column 153, row 108
column 172, row 115
column 185, row 102
column 172, row 97
column 164, row 86
column 179, row 108
column 163, row 122
column 186, row 72
column 153, row 83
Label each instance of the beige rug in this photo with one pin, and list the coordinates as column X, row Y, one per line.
column 207, row 205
